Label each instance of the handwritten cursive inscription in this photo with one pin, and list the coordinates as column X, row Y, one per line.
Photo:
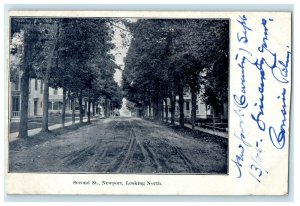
column 243, row 22
column 278, row 138
column 278, row 68
column 261, row 89
column 238, row 160
column 240, row 99
column 256, row 55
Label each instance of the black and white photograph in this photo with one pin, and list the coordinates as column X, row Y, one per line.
column 118, row 95
column 148, row 103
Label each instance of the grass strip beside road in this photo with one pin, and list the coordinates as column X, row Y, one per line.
column 44, row 136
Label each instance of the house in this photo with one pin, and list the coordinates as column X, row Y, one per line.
column 36, row 88
column 35, row 99
column 203, row 110
column 15, row 100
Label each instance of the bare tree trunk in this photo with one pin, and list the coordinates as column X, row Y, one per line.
column 155, row 109
column 25, row 81
column 105, row 108
column 85, row 107
column 46, row 84
column 166, row 110
column 108, row 108
column 45, row 102
column 73, row 110
column 151, row 109
column 80, row 108
column 89, row 107
column 23, row 129
column 63, row 112
column 144, row 110
column 173, row 102
column 193, row 111
column 181, row 113
column 214, row 122
column 94, row 107
column 159, row 110
column 161, row 104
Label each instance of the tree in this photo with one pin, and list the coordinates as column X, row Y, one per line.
column 33, row 40
column 197, row 44
column 69, row 53
column 83, row 56
column 166, row 56
column 145, row 73
column 215, row 90
column 51, row 40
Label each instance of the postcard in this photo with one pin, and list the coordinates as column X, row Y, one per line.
column 148, row 103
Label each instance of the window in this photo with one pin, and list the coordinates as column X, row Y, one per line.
column 41, row 104
column 196, row 106
column 41, row 87
column 16, row 103
column 49, row 105
column 57, row 105
column 55, row 91
column 35, row 108
column 36, row 84
column 187, row 105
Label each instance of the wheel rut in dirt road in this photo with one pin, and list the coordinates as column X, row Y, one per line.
column 121, row 145
column 130, row 150
column 187, row 163
column 117, row 157
column 135, row 147
column 147, row 151
column 77, row 158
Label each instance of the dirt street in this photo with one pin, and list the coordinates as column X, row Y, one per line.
column 121, row 145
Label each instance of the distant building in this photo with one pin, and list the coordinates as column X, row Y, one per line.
column 203, row 110
column 35, row 100
column 15, row 100
column 56, row 101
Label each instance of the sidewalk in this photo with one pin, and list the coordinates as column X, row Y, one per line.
column 14, row 136
column 209, row 131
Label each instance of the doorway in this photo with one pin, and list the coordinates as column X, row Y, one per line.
column 35, row 107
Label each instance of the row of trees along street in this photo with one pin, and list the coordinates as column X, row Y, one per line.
column 166, row 56
column 68, row 53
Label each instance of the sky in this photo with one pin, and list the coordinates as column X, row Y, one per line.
column 121, row 39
